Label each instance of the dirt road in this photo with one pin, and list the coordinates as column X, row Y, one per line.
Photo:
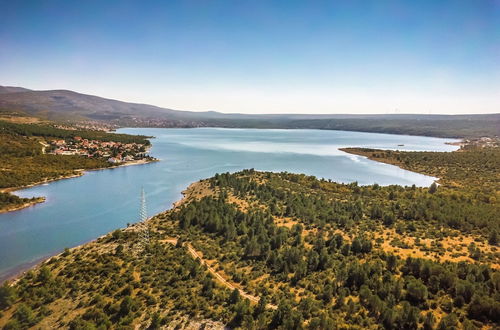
column 212, row 271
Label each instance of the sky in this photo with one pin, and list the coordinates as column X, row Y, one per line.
column 425, row 56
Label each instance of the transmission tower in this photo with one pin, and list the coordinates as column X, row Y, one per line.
column 143, row 227
column 143, row 212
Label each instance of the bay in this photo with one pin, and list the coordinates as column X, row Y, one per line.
column 81, row 209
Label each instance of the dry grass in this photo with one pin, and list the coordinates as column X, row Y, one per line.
column 454, row 249
column 20, row 120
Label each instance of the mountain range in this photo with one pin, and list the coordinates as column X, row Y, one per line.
column 66, row 105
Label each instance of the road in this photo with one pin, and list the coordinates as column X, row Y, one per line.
column 196, row 255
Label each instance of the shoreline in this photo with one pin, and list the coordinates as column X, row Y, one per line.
column 363, row 152
column 36, row 200
column 79, row 173
column 21, row 270
column 461, row 138
column 13, row 276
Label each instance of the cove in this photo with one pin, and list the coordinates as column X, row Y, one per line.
column 81, row 209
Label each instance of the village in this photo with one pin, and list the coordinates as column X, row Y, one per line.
column 114, row 152
column 88, row 125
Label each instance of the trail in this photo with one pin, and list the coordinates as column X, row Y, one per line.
column 44, row 146
column 212, row 271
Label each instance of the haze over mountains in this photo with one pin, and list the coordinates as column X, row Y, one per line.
column 66, row 105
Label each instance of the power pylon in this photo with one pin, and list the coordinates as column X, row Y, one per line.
column 143, row 227
column 143, row 212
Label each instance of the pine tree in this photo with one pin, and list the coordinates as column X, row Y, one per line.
column 433, row 188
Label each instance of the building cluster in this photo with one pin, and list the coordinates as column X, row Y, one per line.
column 483, row 142
column 88, row 125
column 156, row 122
column 114, row 152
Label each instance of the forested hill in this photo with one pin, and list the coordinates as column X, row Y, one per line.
column 64, row 105
column 50, row 131
column 315, row 254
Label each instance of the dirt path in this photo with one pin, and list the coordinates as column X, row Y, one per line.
column 221, row 279
column 44, row 146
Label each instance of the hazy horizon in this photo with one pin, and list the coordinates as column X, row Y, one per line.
column 337, row 57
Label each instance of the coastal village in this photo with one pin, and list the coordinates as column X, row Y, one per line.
column 87, row 125
column 114, row 152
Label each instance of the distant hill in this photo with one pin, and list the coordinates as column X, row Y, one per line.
column 57, row 104
column 8, row 89
column 65, row 105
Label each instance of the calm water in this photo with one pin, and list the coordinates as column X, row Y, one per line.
column 81, row 209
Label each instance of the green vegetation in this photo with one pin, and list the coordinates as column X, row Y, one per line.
column 438, row 126
column 23, row 161
column 327, row 255
column 9, row 201
column 71, row 106
column 471, row 170
column 316, row 255
column 106, row 284
column 421, row 125
column 326, row 260
column 49, row 131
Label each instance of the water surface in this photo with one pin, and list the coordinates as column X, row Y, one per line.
column 81, row 209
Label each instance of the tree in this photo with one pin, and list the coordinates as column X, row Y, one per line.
column 392, row 262
column 44, row 275
column 324, row 259
column 356, row 246
column 252, row 249
column 484, row 308
column 242, row 313
column 389, row 219
column 416, row 291
column 410, row 316
column 208, row 286
column 261, row 306
column 376, row 212
column 300, row 272
column 13, row 325
column 7, row 295
column 155, row 321
column 235, row 296
column 429, row 321
column 24, row 314
column 389, row 319
column 119, row 250
column 450, row 321
column 127, row 306
column 323, row 322
column 312, row 261
column 117, row 234
column 493, row 238
column 286, row 318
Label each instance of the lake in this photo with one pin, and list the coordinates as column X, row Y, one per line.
column 81, row 209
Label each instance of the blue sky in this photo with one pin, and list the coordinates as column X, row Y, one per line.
column 261, row 56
